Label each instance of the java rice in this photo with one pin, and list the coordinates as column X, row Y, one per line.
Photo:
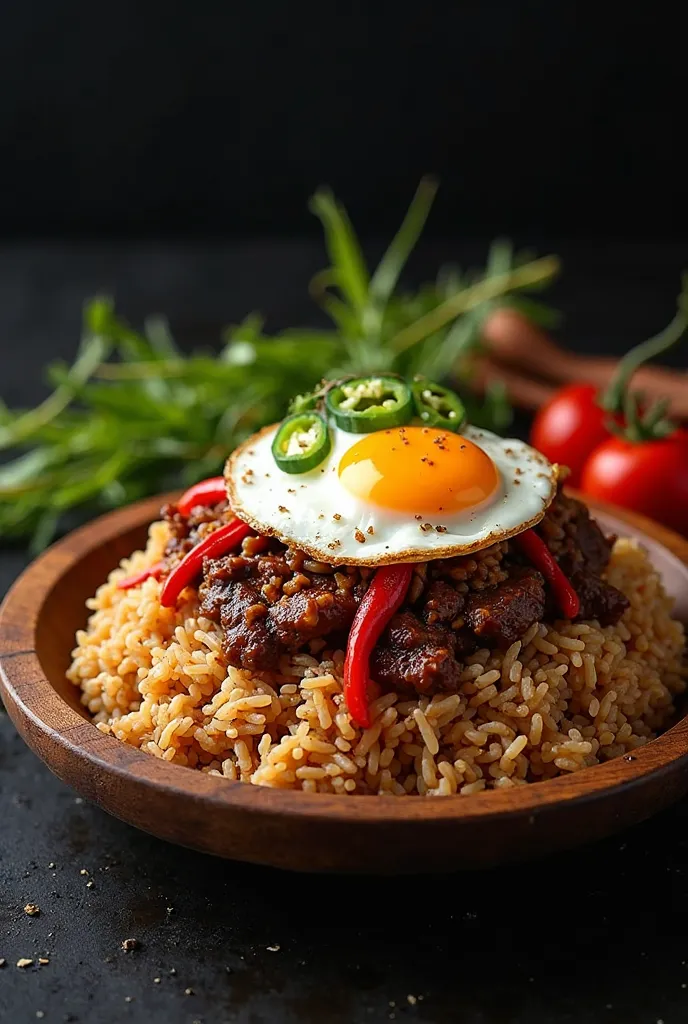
column 564, row 696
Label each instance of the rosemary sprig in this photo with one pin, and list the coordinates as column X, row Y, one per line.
column 134, row 415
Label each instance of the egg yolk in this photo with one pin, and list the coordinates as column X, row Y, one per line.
column 418, row 469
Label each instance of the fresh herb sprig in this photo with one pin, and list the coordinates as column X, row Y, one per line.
column 134, row 415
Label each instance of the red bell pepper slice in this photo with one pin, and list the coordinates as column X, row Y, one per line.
column 382, row 599
column 207, row 492
column 155, row 570
column 537, row 552
column 213, row 545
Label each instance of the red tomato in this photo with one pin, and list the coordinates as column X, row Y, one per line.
column 569, row 426
column 650, row 477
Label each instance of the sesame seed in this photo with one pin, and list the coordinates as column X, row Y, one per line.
column 32, row 909
column 24, row 962
column 43, row 960
column 370, row 530
column 281, row 508
column 359, row 536
column 129, row 945
column 337, row 516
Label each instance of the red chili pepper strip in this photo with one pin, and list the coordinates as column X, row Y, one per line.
column 140, row 577
column 382, row 599
column 207, row 492
column 216, row 543
column 537, row 552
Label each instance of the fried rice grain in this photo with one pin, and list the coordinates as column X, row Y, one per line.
column 563, row 697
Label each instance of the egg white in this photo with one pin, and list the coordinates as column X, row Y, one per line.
column 314, row 512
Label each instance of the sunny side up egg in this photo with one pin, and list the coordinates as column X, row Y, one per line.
column 404, row 494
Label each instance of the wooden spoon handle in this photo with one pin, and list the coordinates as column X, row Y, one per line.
column 525, row 392
column 515, row 342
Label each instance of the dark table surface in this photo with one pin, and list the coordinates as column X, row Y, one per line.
column 597, row 935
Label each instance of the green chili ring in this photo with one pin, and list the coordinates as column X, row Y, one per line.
column 366, row 404
column 438, row 406
column 301, row 443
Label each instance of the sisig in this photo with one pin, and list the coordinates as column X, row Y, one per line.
column 379, row 598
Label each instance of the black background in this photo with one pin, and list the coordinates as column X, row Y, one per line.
column 221, row 118
column 117, row 121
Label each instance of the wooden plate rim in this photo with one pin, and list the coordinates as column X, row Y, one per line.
column 28, row 694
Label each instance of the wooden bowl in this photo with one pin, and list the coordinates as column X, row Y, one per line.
column 314, row 832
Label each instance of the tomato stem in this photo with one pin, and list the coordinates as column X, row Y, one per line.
column 618, row 399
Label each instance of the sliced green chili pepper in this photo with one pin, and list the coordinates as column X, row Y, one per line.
column 365, row 404
column 301, row 443
column 438, row 406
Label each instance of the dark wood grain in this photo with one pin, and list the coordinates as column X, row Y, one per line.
column 292, row 829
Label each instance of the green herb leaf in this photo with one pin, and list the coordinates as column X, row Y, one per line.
column 134, row 415
column 386, row 277
column 348, row 265
column 93, row 351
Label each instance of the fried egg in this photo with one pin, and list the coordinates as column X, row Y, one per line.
column 405, row 494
